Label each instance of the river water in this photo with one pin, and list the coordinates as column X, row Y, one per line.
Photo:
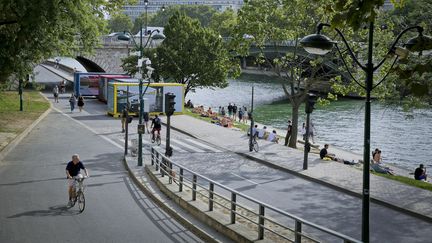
column 404, row 142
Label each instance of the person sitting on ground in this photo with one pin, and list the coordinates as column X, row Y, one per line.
column 262, row 132
column 254, row 131
column 376, row 164
column 272, row 137
column 420, row 173
column 325, row 155
column 199, row 109
column 226, row 122
column 189, row 104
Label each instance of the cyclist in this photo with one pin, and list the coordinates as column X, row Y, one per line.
column 72, row 169
column 156, row 125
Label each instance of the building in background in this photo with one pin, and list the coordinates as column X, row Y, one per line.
column 134, row 11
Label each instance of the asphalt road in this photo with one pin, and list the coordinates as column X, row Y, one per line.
column 33, row 192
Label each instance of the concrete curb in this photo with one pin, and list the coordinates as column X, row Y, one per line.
column 189, row 225
column 327, row 184
column 338, row 188
column 22, row 135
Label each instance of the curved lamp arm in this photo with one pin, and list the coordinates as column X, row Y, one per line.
column 150, row 36
column 346, row 66
column 388, row 72
column 319, row 28
column 419, row 29
column 349, row 50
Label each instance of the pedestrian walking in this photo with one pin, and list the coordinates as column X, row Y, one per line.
column 240, row 115
column 303, row 131
column 230, row 110
column 288, row 135
column 223, row 113
column 312, row 132
column 245, row 114
column 234, row 112
column 63, row 86
column 72, row 102
column 56, row 93
column 124, row 117
column 80, row 103
column 146, row 120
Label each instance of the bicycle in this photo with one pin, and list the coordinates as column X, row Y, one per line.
column 254, row 144
column 156, row 139
column 79, row 194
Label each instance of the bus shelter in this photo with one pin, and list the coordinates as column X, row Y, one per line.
column 121, row 93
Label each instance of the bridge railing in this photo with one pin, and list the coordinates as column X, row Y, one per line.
column 239, row 206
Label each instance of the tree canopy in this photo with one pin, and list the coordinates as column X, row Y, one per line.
column 34, row 30
column 192, row 55
column 119, row 22
column 202, row 13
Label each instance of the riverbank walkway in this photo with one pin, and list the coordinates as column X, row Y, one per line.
column 345, row 178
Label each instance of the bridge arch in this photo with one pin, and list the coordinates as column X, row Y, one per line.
column 89, row 65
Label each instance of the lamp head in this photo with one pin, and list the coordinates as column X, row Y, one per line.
column 419, row 43
column 163, row 8
column 317, row 44
column 145, row 2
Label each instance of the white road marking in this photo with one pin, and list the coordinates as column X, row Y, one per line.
column 90, row 129
column 203, row 145
column 253, row 182
column 188, row 146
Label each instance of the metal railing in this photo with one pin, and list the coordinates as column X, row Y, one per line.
column 265, row 225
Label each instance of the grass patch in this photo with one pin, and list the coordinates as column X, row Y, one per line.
column 12, row 119
column 407, row 181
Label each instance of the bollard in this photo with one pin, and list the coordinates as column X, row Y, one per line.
column 157, row 160
column 152, row 156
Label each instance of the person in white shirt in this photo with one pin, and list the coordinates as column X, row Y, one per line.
column 273, row 137
column 261, row 132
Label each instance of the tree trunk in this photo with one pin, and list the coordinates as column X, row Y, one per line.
column 294, row 120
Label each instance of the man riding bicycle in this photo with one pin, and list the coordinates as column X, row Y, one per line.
column 156, row 125
column 72, row 169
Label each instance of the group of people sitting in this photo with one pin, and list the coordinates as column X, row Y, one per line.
column 264, row 134
column 219, row 120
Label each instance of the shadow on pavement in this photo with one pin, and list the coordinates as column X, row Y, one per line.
column 161, row 220
column 33, row 181
column 59, row 210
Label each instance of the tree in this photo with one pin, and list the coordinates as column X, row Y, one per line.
column 34, row 30
column 224, row 22
column 120, row 22
column 140, row 21
column 272, row 24
column 192, row 55
column 202, row 13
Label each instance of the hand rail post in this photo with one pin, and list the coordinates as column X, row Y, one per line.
column 181, row 180
column 233, row 207
column 157, row 161
column 211, row 196
column 261, row 222
column 170, row 174
column 194, row 181
column 162, row 167
column 152, row 156
column 298, row 230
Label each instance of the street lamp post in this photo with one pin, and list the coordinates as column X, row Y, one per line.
column 145, row 6
column 141, row 92
column 252, row 121
column 320, row 44
column 310, row 102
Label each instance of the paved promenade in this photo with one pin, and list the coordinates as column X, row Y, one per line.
column 343, row 177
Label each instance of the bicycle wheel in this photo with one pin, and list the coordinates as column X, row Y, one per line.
column 158, row 140
column 255, row 146
column 81, row 201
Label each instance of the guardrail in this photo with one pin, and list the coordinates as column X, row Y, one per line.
column 260, row 219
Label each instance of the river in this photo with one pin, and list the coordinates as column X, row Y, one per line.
column 404, row 142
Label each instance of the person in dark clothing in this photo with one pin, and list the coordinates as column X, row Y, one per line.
column 234, row 109
column 420, row 173
column 288, row 135
column 324, row 153
column 73, row 169
column 230, row 110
